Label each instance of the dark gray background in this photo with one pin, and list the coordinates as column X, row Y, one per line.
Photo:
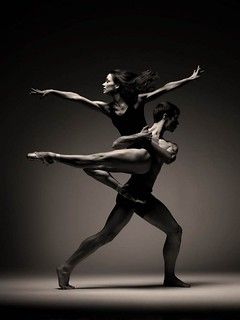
column 47, row 211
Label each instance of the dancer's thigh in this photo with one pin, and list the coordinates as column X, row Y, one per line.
column 136, row 161
column 118, row 218
column 156, row 213
column 129, row 155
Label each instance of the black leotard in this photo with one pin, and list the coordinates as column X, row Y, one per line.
column 130, row 122
column 140, row 185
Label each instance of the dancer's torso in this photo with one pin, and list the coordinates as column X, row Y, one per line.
column 144, row 182
column 130, row 121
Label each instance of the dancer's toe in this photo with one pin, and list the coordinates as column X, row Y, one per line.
column 63, row 279
column 67, row 287
column 45, row 157
column 32, row 156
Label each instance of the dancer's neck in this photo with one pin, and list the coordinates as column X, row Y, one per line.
column 158, row 127
column 118, row 99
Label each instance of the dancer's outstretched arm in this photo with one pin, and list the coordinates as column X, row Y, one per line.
column 99, row 105
column 170, row 86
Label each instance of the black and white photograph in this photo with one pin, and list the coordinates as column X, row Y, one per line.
column 119, row 156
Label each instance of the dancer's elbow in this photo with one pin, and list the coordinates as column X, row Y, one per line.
column 170, row 159
column 115, row 145
column 118, row 144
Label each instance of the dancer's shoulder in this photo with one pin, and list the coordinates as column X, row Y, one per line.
column 171, row 147
column 104, row 106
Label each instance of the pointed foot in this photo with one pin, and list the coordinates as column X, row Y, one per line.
column 45, row 157
column 67, row 287
column 63, row 279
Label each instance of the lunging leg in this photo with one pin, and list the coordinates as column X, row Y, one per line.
column 117, row 219
column 158, row 215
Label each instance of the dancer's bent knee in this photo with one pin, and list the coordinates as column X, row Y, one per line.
column 176, row 230
column 106, row 237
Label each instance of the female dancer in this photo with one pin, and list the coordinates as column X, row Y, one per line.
column 129, row 92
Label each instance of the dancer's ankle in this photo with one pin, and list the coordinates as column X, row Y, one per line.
column 170, row 276
column 56, row 156
column 119, row 189
column 65, row 268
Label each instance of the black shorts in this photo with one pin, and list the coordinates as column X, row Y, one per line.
column 138, row 208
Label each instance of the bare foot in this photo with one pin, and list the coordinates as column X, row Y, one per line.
column 128, row 196
column 63, row 279
column 45, row 157
column 175, row 282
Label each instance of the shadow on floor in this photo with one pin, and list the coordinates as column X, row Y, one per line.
column 143, row 286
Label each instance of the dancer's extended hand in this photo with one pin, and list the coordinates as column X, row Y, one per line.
column 145, row 135
column 196, row 73
column 41, row 93
column 145, row 129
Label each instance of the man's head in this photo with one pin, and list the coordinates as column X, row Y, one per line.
column 169, row 112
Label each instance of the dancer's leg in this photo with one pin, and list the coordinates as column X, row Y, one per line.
column 124, row 160
column 156, row 213
column 118, row 218
column 107, row 179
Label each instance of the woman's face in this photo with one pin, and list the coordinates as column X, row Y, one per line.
column 109, row 85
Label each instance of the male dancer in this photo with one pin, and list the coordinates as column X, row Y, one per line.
column 140, row 186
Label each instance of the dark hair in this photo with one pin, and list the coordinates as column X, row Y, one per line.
column 131, row 84
column 165, row 107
